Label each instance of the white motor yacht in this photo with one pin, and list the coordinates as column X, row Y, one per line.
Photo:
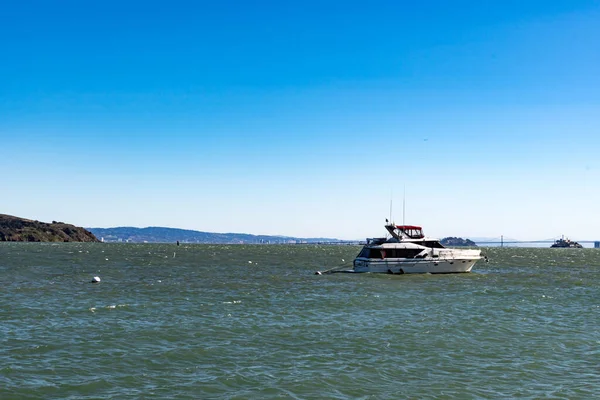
column 408, row 251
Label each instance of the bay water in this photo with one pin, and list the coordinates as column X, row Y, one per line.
column 255, row 322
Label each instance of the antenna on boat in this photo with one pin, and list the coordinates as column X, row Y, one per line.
column 404, row 206
column 391, row 202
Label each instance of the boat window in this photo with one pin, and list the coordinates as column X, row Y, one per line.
column 376, row 253
column 433, row 244
column 389, row 253
column 412, row 232
column 364, row 252
column 402, row 253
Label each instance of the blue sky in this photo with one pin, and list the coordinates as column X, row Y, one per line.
column 305, row 118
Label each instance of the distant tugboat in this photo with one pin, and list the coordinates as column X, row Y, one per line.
column 566, row 243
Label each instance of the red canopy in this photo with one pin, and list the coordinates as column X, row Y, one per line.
column 405, row 227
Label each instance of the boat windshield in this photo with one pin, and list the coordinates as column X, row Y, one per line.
column 413, row 232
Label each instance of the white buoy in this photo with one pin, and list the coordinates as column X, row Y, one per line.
column 96, row 279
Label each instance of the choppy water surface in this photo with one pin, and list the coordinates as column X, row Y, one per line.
column 237, row 322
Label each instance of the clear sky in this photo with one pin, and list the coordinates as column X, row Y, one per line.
column 304, row 118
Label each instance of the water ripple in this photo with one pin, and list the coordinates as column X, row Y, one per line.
column 208, row 323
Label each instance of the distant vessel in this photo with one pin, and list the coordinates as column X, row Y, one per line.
column 566, row 243
column 408, row 251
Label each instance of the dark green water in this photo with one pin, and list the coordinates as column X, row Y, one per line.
column 246, row 322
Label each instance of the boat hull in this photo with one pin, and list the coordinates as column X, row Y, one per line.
column 413, row 266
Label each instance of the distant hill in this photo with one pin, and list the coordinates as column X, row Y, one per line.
column 15, row 229
column 172, row 235
column 457, row 242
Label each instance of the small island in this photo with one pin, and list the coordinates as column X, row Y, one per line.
column 15, row 229
column 457, row 242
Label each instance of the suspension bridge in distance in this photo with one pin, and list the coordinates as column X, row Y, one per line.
column 501, row 242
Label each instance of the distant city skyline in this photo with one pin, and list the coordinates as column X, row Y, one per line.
column 304, row 119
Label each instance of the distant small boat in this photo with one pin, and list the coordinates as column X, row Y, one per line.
column 566, row 244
